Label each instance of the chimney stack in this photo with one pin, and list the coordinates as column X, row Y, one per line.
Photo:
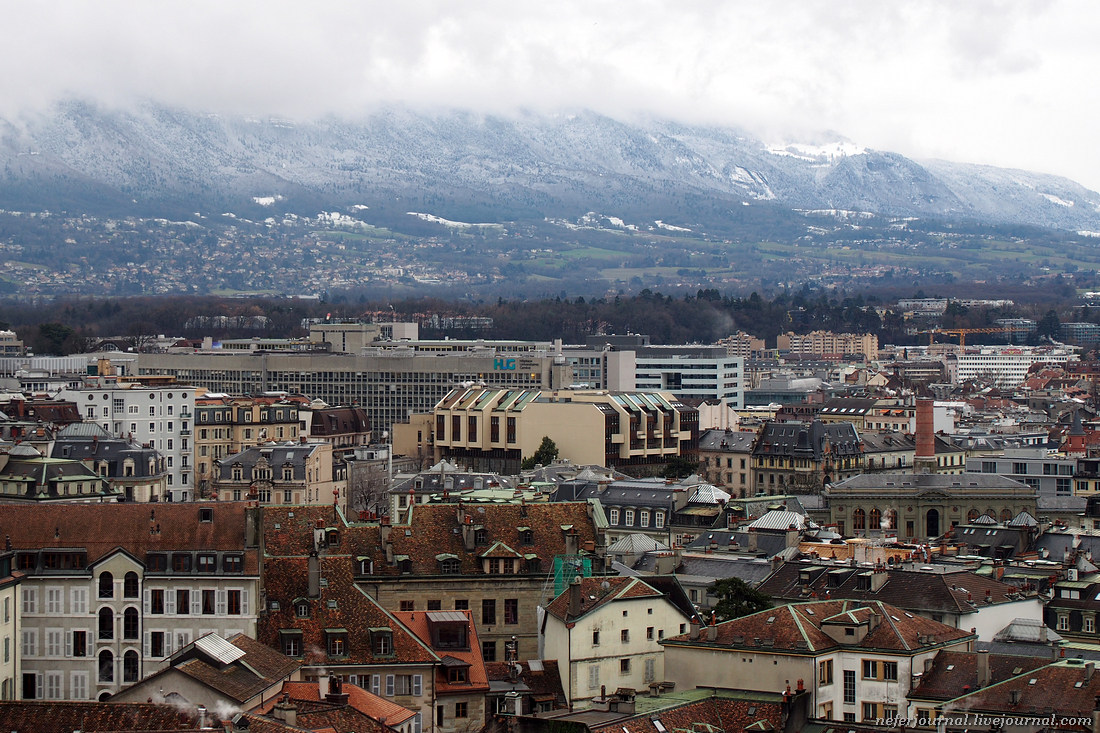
column 575, row 597
column 983, row 669
column 314, row 575
column 925, row 457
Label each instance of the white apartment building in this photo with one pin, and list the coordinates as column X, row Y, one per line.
column 96, row 616
column 606, row 632
column 1003, row 366
column 691, row 376
column 161, row 417
column 9, row 628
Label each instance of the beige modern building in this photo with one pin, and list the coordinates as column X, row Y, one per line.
column 827, row 342
column 494, row 429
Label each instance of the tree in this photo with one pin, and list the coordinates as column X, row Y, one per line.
column 736, row 598
column 1049, row 325
column 679, row 467
column 547, row 452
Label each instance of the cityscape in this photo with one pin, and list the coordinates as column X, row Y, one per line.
column 588, row 368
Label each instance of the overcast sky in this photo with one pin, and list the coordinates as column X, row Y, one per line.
column 1010, row 83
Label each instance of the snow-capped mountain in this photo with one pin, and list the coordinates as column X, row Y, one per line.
column 82, row 157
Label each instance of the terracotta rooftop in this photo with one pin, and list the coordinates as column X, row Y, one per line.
column 598, row 592
column 955, row 671
column 244, row 678
column 435, row 530
column 1067, row 688
column 419, row 622
column 99, row 529
column 93, row 717
column 373, row 706
column 797, row 628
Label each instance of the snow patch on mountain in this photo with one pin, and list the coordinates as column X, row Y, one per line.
column 816, row 153
column 661, row 225
column 449, row 223
column 1056, row 200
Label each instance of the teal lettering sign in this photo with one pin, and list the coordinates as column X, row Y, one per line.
column 504, row 364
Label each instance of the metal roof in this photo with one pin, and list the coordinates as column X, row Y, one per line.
column 446, row 616
column 218, row 648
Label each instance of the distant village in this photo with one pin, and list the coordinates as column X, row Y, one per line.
column 365, row 530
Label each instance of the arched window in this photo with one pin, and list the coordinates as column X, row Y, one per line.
column 875, row 519
column 106, row 623
column 891, row 519
column 1006, row 515
column 130, row 623
column 106, row 585
column 971, row 516
column 859, row 520
column 130, row 666
column 130, row 585
column 106, row 666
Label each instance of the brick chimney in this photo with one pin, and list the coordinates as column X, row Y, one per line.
column 924, row 460
column 574, row 609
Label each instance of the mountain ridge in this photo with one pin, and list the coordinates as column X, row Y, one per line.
column 511, row 167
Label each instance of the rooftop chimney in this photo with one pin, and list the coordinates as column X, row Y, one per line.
column 925, row 457
column 314, row 579
column 983, row 669
column 575, row 596
column 285, row 711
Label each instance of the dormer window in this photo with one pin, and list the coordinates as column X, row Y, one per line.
column 526, row 536
column 449, row 635
column 238, row 473
column 336, row 642
column 458, row 674
column 301, row 609
column 450, row 566
column 381, row 642
column 481, row 537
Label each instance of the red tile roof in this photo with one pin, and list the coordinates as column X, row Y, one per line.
column 598, row 592
column 1060, row 689
column 544, row 684
column 137, row 528
column 418, row 622
column 797, row 627
column 93, row 717
column 712, row 713
column 286, row 579
column 260, row 668
column 953, row 671
column 435, row 529
column 373, row 706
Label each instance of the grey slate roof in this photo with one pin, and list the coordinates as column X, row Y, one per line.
column 802, row 440
column 89, row 443
column 739, row 441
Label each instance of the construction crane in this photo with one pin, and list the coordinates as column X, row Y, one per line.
column 961, row 332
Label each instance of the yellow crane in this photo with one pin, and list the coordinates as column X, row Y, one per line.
column 961, row 332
